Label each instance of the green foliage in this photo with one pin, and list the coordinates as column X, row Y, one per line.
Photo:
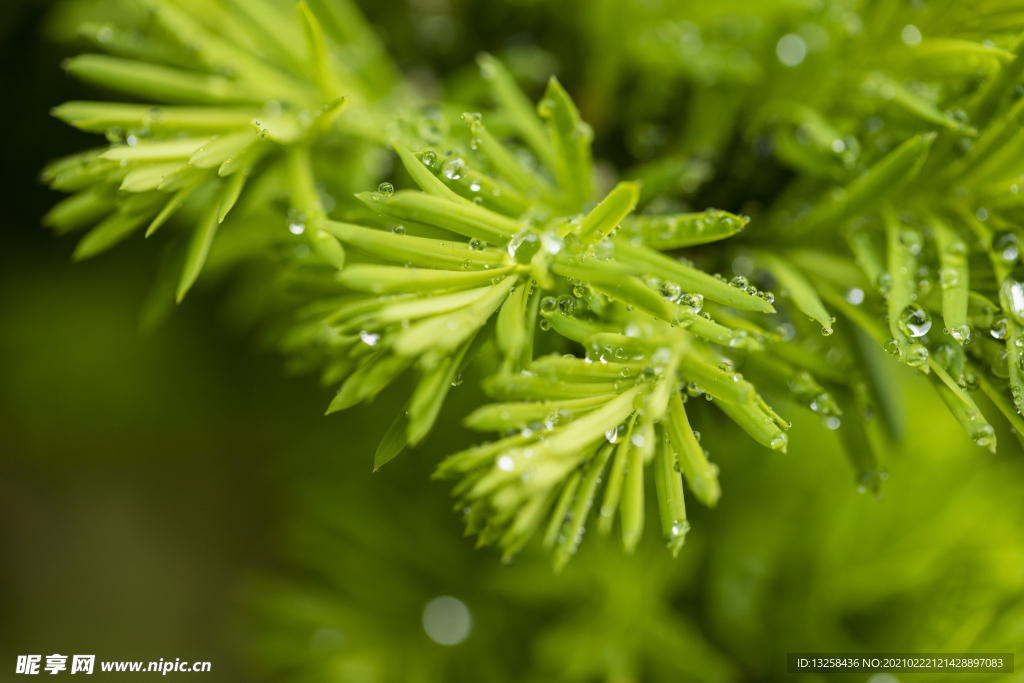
column 506, row 252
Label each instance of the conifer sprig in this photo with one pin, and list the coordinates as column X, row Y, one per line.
column 501, row 240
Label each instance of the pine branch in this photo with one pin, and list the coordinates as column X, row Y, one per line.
column 903, row 209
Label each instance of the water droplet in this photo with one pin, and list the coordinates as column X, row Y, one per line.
column 1000, row 326
column 477, row 245
column 916, row 355
column 685, row 315
column 548, row 304
column 398, row 229
column 739, row 281
column 914, row 321
column 544, row 324
column 855, row 296
column 957, row 249
column 454, row 167
column 969, row 381
column 694, row 301
column 1006, row 247
column 1012, row 291
column 524, row 246
column 949, row 277
column 961, row 333
column 671, row 291
column 985, row 437
column 385, row 189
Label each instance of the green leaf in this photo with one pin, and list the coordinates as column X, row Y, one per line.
column 904, row 243
column 444, row 333
column 219, row 55
column 181, row 149
column 561, row 509
column 1003, row 402
column 396, row 279
column 631, row 507
column 232, row 191
column 701, row 475
column 994, row 90
column 689, row 279
column 113, row 230
column 510, row 330
column 798, row 289
column 275, row 26
column 881, row 181
column 914, row 103
column 394, row 440
column 1015, row 360
column 368, row 380
column 963, row 407
column 720, row 381
column 856, row 443
column 752, row 419
column 158, row 83
column 519, row 108
column 99, row 117
column 319, row 61
column 148, row 177
column 607, row 215
column 393, row 311
column 427, row 399
column 613, row 489
column 198, row 250
column 423, row 177
column 955, row 57
column 571, row 138
column 580, row 509
column 79, row 211
column 505, row 163
column 502, row 416
column 169, row 209
column 671, row 505
column 954, row 278
column 675, row 231
column 244, row 161
column 509, row 387
column 219, row 149
column 468, row 220
column 418, row 251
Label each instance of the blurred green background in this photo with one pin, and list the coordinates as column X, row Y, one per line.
column 175, row 494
